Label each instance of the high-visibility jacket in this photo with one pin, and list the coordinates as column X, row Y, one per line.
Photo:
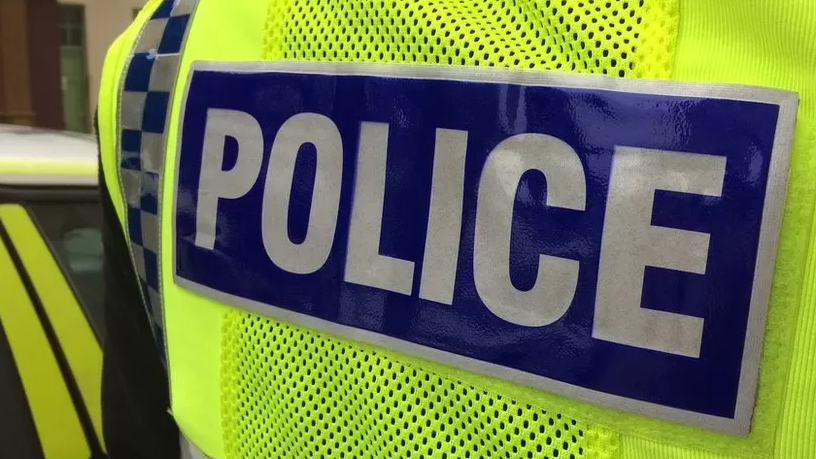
column 292, row 333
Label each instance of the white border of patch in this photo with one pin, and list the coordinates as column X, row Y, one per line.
column 773, row 209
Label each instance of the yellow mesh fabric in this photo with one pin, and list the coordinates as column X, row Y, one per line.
column 291, row 392
column 624, row 38
column 295, row 393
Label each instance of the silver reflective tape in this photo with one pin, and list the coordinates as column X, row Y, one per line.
column 132, row 111
column 183, row 7
column 150, row 232
column 149, row 159
column 132, row 186
column 155, row 303
column 189, row 450
column 138, row 258
column 163, row 73
column 150, row 183
column 152, row 152
column 151, row 36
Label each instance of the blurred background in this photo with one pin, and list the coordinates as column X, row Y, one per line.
column 51, row 55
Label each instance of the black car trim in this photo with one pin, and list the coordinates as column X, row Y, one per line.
column 40, row 193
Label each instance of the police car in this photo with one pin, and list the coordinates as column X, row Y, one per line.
column 50, row 295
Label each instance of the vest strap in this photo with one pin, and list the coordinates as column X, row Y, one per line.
column 145, row 95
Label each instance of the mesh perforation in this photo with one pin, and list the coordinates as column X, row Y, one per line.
column 295, row 393
column 622, row 38
column 289, row 392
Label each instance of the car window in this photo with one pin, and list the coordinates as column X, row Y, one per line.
column 73, row 230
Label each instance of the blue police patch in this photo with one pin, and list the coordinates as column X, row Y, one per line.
column 609, row 240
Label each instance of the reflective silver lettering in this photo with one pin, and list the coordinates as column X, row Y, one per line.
column 557, row 277
column 311, row 254
column 364, row 264
column 216, row 183
column 444, row 217
column 630, row 243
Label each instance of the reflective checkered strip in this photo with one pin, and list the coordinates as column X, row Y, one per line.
column 144, row 103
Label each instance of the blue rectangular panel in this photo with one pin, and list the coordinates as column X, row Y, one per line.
column 566, row 355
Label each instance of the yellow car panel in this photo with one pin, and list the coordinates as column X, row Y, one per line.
column 58, row 427
column 81, row 348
